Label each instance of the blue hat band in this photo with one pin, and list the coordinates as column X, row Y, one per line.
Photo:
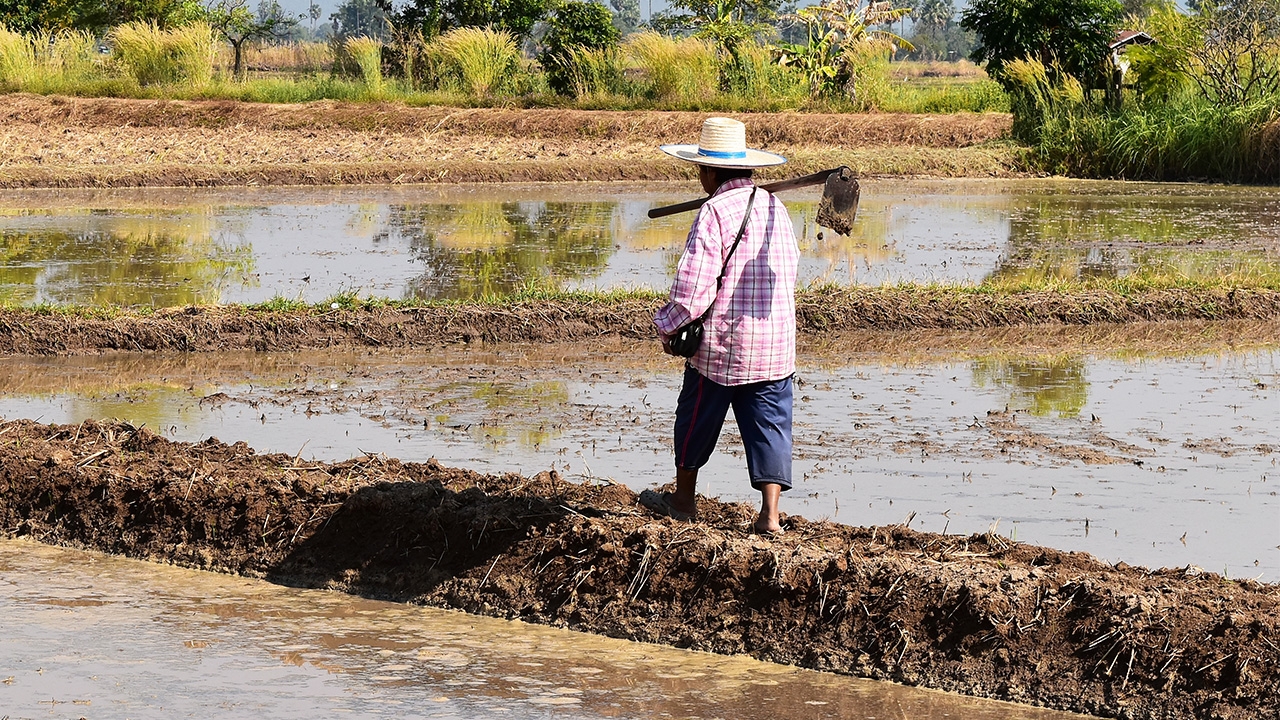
column 723, row 155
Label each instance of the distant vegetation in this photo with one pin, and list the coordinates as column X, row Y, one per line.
column 1201, row 103
column 731, row 55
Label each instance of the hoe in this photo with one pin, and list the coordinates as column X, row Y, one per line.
column 836, row 210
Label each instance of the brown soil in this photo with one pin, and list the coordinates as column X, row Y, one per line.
column 100, row 142
column 206, row 329
column 978, row 614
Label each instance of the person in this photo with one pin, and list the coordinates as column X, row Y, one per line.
column 747, row 356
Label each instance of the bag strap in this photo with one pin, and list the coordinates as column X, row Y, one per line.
column 725, row 268
column 741, row 229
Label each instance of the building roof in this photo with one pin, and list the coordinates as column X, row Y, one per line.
column 1131, row 37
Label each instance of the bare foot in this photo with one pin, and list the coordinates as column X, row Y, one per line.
column 765, row 526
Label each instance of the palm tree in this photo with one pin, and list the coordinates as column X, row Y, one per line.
column 933, row 16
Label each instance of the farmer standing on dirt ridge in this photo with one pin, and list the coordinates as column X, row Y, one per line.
column 738, row 276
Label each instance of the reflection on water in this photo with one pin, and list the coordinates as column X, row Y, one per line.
column 1040, row 386
column 127, row 259
column 95, row 634
column 1197, row 234
column 166, row 247
column 486, row 248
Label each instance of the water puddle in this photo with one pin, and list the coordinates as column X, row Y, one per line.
column 82, row 634
column 166, row 247
column 1163, row 455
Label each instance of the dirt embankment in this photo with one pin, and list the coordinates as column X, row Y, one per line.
column 977, row 614
column 206, row 329
column 103, row 142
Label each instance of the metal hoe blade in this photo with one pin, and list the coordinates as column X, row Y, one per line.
column 839, row 206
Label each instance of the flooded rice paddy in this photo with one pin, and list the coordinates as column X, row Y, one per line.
column 166, row 247
column 1162, row 458
column 88, row 635
column 1157, row 456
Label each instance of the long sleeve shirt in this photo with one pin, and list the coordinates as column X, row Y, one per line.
column 750, row 335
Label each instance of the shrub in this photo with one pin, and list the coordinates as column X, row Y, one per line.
column 1187, row 138
column 152, row 56
column 578, row 48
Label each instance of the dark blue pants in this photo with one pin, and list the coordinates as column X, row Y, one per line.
column 763, row 412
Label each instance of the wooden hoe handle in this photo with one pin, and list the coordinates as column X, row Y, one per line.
column 817, row 178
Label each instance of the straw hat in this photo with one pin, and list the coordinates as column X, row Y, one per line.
column 723, row 144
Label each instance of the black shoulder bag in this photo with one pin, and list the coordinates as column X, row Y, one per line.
column 686, row 340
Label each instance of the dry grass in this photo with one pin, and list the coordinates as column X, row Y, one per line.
column 763, row 129
column 303, row 57
column 961, row 69
column 488, row 164
column 105, row 142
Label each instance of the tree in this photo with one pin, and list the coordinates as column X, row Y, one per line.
column 1141, row 8
column 361, row 18
column 233, row 20
column 932, row 16
column 727, row 22
column 1238, row 58
column 1073, row 36
column 94, row 15
column 626, row 15
column 435, row 17
column 574, row 27
column 840, row 34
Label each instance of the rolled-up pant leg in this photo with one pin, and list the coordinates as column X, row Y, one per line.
column 763, row 411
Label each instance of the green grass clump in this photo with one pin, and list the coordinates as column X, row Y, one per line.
column 479, row 61
column 46, row 61
column 17, row 57
column 673, row 69
column 152, row 56
column 366, row 52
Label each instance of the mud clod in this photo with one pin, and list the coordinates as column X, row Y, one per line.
column 979, row 614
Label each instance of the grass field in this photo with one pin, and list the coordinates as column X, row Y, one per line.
column 467, row 68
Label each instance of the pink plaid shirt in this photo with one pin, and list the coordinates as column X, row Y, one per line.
column 750, row 335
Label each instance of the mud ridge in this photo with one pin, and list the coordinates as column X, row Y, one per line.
column 976, row 614
column 786, row 128
column 207, row 329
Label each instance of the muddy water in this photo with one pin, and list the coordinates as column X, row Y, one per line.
column 86, row 635
column 1160, row 452
column 163, row 247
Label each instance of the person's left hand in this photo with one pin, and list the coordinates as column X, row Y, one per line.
column 666, row 344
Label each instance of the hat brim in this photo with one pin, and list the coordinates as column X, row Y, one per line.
column 754, row 158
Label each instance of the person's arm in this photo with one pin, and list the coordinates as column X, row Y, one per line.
column 694, row 288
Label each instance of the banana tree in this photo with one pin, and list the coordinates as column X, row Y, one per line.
column 838, row 34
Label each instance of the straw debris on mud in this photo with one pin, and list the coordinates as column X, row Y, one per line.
column 102, row 142
column 818, row 312
column 976, row 614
